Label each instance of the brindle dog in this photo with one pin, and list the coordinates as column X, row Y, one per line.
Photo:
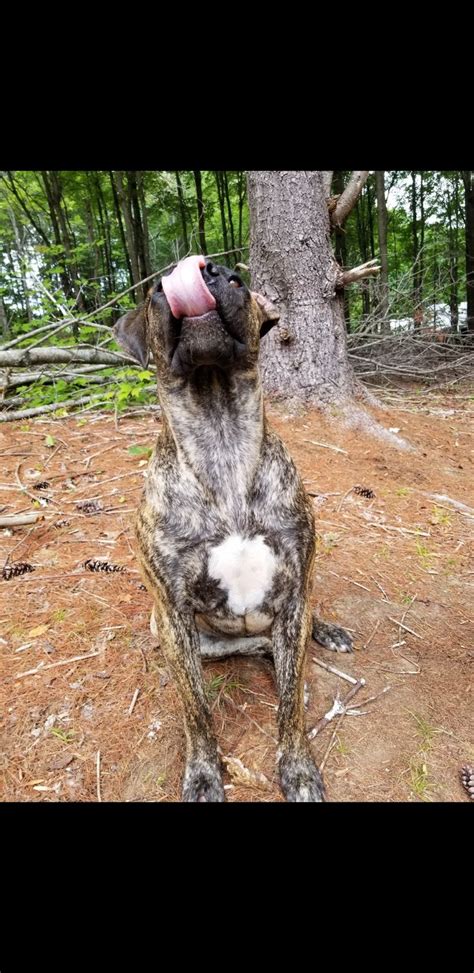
column 225, row 529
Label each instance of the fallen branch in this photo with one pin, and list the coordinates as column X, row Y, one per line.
column 399, row 530
column 336, row 449
column 454, row 503
column 20, row 520
column 62, row 356
column 401, row 625
column 53, row 665
column 336, row 672
column 9, row 381
column 41, row 409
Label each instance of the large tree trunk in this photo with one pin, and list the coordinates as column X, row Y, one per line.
column 468, row 179
column 382, row 228
column 292, row 263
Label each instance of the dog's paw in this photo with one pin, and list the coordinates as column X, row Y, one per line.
column 300, row 779
column 332, row 637
column 202, row 782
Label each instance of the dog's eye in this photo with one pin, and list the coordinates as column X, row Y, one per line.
column 235, row 281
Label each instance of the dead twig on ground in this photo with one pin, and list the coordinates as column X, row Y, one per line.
column 336, row 672
column 53, row 665
column 338, row 708
column 97, row 764
column 20, row 520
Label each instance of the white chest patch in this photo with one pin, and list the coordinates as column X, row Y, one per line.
column 245, row 569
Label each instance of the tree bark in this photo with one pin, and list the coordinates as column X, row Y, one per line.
column 21, row 264
column 225, row 182
column 351, row 193
column 468, row 179
column 4, row 323
column 200, row 210
column 417, row 311
column 182, row 210
column 50, row 187
column 125, row 205
column 220, row 196
column 121, row 227
column 382, row 223
column 293, row 265
column 453, row 258
column 340, row 242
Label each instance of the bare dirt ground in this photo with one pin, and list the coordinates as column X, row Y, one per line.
column 393, row 568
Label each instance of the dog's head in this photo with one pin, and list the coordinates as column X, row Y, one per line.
column 227, row 337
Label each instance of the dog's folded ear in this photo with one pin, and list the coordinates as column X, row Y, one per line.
column 269, row 313
column 130, row 332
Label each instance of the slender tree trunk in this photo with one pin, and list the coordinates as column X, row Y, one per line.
column 229, row 209
column 120, row 226
column 144, row 223
column 468, row 179
column 51, row 197
column 453, row 263
column 306, row 356
column 126, row 208
column 182, row 210
column 340, row 241
column 220, row 196
column 382, row 222
column 10, row 182
column 105, row 232
column 417, row 311
column 4, row 323
column 65, row 238
column 362, row 236
column 241, row 191
column 200, row 210
column 370, row 215
column 22, row 266
column 137, row 228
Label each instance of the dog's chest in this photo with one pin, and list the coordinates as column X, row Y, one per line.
column 244, row 568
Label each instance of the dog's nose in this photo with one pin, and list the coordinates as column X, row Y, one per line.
column 209, row 272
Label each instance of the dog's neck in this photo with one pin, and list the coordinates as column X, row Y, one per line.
column 216, row 421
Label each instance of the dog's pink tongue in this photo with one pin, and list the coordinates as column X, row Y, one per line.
column 185, row 290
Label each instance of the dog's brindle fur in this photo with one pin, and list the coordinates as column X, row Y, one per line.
column 219, row 472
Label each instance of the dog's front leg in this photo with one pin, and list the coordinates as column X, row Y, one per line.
column 180, row 643
column 299, row 776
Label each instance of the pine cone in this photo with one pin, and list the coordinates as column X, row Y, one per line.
column 364, row 492
column 92, row 565
column 467, row 778
column 89, row 507
column 14, row 570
